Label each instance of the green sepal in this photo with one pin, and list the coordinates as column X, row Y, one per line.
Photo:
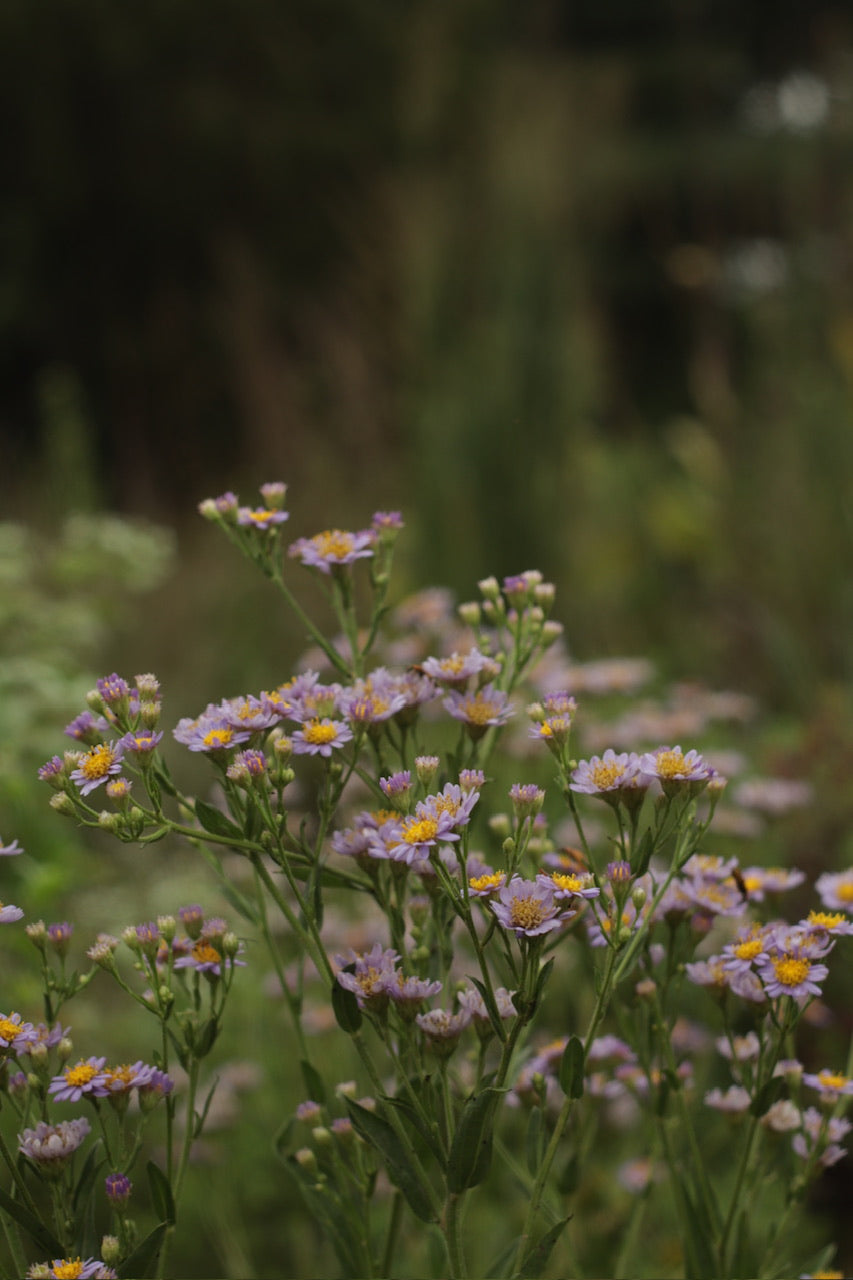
column 402, row 1170
column 471, row 1150
column 161, row 1194
column 571, row 1070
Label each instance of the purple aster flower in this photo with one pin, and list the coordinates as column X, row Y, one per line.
column 452, row 800
column 59, row 936
column 413, row 837
column 398, row 785
column 85, row 1269
column 205, row 957
column 608, row 774
column 10, row 913
column 321, row 737
column 249, row 714
column 15, row 1033
column 10, row 850
column 210, row 732
column 386, row 520
column 735, row 1099
column 52, row 771
column 83, row 1078
column 140, row 742
column 369, row 706
column 87, row 727
column 42, row 1034
column 114, row 690
column 53, row 1144
column 372, row 973
column 528, row 908
column 759, row 881
column 333, row 548
column 714, row 897
column 749, row 948
column 818, row 1133
column 158, row 1086
column 118, row 1188
column 442, row 1029
column 472, row 779
column 740, row 1048
column 573, row 884
column 118, row 789
column 673, row 768
column 485, row 882
column 121, row 1079
column 261, row 517
column 527, row 799
column 835, row 890
column 791, row 973
column 408, row 994
column 831, row 1085
column 273, row 493
column 457, row 669
column 473, row 1004
column 479, row 710
column 835, row 923
column 99, row 763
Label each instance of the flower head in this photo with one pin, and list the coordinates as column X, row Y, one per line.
column 528, row 907
column 479, row 710
column 53, row 1143
column 99, row 763
column 86, row 1077
column 333, row 549
column 321, row 737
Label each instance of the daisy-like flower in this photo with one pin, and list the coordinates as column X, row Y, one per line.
column 261, row 517
column 321, row 737
column 473, row 1004
column 604, row 775
column 782, row 1117
column 140, row 742
column 748, row 949
column 479, row 710
column 206, row 957
column 739, row 1048
column 735, row 1099
column 121, row 1079
column 456, row 670
column 791, row 972
column 87, row 727
column 53, row 1144
column 442, row 1029
column 85, row 1078
column 415, row 836
column 528, row 907
column 52, row 771
column 10, row 913
column 368, row 705
column 835, row 890
column 831, row 1085
column 333, row 548
column 251, row 715
column 451, row 800
column 485, row 883
column 158, row 1085
column 674, row 769
column 372, row 972
column 79, row 1269
column 835, row 923
column 814, row 1133
column 570, row 884
column 398, row 785
column 713, row 897
column 15, row 1033
column 408, row 994
column 211, row 732
column 99, row 763
column 759, row 881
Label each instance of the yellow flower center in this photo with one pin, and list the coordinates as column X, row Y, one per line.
column 494, row 881
column 319, row 734
column 480, row 710
column 573, row 884
column 218, row 737
column 81, row 1074
column 792, row 970
column 333, row 542
column 604, row 775
column 9, row 1030
column 367, row 981
column 453, row 665
column 670, row 764
column 119, row 1075
column 845, row 892
column 205, row 953
column 832, row 1079
column 751, row 883
column 96, row 763
column 419, row 832
column 826, row 919
column 68, row 1268
column 526, row 913
column 748, row 950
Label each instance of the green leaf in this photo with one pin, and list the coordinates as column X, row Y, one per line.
column 533, row 1263
column 541, row 981
column 143, row 1261
column 83, row 1188
column 568, row 1179
column 402, row 1169
column 571, row 1068
column 314, row 1085
column 413, row 1117
column 345, row 1008
column 471, row 1149
column 207, row 1037
column 644, row 854
column 161, row 1194
column 215, row 821
column 281, row 1140
column 769, row 1093
column 35, row 1229
column 501, row 1266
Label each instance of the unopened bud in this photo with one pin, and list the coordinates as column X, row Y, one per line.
column 62, row 803
column 470, row 613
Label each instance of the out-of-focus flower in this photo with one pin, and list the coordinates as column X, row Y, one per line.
column 53, row 1144
column 333, row 548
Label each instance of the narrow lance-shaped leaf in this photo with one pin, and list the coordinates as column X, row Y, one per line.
column 471, row 1150
column 403, row 1170
column 571, row 1068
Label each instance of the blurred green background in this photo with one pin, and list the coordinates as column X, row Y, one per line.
column 568, row 283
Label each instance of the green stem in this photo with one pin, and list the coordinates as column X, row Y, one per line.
column 452, row 1234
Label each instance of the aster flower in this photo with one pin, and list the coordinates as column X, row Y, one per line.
column 673, row 769
column 85, row 1078
column 333, row 549
column 713, row 897
column 408, row 994
column 10, row 850
column 398, row 785
column 573, row 885
column 10, row 913
column 99, row 763
column 53, row 1144
column 603, row 775
column 527, row 799
column 451, row 800
column 79, row 1269
column 835, row 923
column 835, row 890
column 205, row 957
column 817, row 1133
column 118, row 1188
column 739, row 1048
column 121, row 1079
column 140, row 742
column 457, row 669
column 15, row 1033
column 369, row 704
column 262, row 518
column 42, row 1034
column 442, row 1029
column 759, row 881
column 485, row 882
column 528, row 908
column 52, row 771
column 479, row 710
column 791, row 972
column 735, row 1099
column 87, row 727
column 210, row 732
column 372, row 973
column 321, row 737
column 249, row 714
column 157, row 1086
column 471, row 779
column 831, row 1085
column 414, row 836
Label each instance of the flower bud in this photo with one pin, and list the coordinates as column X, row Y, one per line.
column 470, row 613
column 62, row 803
column 110, row 1250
